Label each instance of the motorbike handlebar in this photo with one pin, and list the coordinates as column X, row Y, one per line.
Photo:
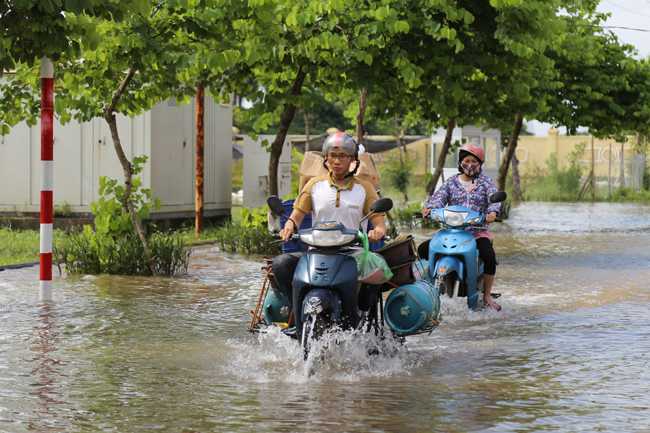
column 418, row 214
column 296, row 237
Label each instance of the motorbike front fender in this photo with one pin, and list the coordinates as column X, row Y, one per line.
column 447, row 265
column 318, row 300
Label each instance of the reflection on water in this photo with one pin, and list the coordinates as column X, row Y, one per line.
column 568, row 353
column 45, row 373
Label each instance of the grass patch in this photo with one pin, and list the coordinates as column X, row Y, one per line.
column 18, row 247
column 556, row 184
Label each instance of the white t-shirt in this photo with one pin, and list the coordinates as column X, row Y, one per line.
column 327, row 202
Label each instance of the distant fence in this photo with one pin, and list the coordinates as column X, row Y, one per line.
column 610, row 158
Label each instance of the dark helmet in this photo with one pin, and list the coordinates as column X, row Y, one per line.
column 343, row 141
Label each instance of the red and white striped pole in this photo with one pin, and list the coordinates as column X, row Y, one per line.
column 47, row 176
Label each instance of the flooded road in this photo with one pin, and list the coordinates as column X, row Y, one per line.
column 570, row 352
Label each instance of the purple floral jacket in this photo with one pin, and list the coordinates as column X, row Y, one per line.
column 452, row 193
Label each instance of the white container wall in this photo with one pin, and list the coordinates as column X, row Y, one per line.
column 489, row 139
column 256, row 168
column 84, row 152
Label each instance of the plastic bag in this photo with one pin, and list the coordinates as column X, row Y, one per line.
column 371, row 267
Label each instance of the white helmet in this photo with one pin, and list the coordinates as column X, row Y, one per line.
column 343, row 141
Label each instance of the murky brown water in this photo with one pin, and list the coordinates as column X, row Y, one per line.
column 568, row 353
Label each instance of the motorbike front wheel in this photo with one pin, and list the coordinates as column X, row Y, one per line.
column 312, row 329
column 449, row 285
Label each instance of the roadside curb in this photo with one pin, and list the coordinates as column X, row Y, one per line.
column 26, row 265
column 18, row 266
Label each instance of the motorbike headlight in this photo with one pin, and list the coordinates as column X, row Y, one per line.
column 326, row 238
column 455, row 219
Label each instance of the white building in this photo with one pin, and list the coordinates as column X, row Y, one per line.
column 84, row 152
column 489, row 139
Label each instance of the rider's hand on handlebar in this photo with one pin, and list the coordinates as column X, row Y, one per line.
column 375, row 235
column 491, row 217
column 286, row 232
column 426, row 212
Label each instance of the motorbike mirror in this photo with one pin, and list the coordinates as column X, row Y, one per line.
column 498, row 197
column 384, row 204
column 275, row 204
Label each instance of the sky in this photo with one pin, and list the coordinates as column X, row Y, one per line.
column 630, row 21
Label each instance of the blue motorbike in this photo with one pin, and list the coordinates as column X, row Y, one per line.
column 454, row 267
column 327, row 294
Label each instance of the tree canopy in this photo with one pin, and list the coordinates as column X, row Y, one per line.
column 437, row 62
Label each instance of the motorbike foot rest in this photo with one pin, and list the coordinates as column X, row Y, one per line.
column 495, row 295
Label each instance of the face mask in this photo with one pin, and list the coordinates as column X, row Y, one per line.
column 470, row 170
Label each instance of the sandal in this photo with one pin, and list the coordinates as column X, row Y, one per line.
column 493, row 305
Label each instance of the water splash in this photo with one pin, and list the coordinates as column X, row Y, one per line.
column 340, row 356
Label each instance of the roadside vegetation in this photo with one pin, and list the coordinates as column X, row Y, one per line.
column 113, row 245
column 20, row 246
column 569, row 183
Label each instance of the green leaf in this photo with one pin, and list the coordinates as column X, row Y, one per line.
column 382, row 13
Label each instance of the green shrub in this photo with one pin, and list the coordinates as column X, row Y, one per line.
column 630, row 194
column 62, row 211
column 248, row 233
column 90, row 252
column 110, row 216
column 233, row 238
column 396, row 174
column 113, row 246
column 404, row 217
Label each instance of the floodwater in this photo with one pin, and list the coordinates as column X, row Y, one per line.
column 570, row 352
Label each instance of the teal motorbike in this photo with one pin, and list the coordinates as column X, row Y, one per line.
column 454, row 267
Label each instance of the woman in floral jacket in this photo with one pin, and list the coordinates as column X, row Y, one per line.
column 471, row 189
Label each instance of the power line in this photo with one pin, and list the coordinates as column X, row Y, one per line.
column 609, row 27
column 629, row 10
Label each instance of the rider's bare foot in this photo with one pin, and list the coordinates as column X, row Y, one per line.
column 492, row 304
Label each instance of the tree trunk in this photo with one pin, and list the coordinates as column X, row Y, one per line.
column 200, row 133
column 431, row 186
column 127, row 205
column 399, row 143
column 609, row 173
column 516, row 180
column 622, row 182
column 304, row 114
column 285, row 122
column 593, row 169
column 510, row 151
column 361, row 115
column 637, row 147
column 398, row 137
